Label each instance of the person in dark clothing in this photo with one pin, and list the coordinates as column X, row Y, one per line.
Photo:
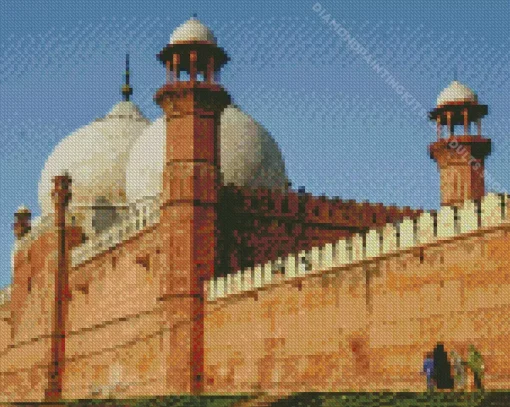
column 442, row 368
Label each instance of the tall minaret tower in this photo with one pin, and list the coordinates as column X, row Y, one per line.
column 192, row 102
column 460, row 157
column 61, row 198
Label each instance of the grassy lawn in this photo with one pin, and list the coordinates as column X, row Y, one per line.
column 490, row 399
column 165, row 401
column 487, row 399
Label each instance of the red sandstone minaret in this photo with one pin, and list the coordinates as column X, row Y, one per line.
column 61, row 197
column 191, row 179
column 22, row 222
column 460, row 157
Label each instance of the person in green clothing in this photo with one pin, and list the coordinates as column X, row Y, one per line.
column 475, row 363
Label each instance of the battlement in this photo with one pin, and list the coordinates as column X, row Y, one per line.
column 142, row 214
column 5, row 295
column 393, row 237
column 297, row 206
column 307, row 208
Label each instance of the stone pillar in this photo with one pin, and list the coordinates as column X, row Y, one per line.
column 209, row 74
column 61, row 198
column 465, row 113
column 193, row 66
column 449, row 123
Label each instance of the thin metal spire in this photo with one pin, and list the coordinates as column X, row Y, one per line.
column 127, row 90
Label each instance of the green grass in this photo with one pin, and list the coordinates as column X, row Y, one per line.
column 350, row 399
column 164, row 401
column 491, row 399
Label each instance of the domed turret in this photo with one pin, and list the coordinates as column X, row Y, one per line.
column 460, row 155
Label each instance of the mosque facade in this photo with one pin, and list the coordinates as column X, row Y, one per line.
column 174, row 257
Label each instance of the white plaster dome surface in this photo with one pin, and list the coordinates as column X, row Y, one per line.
column 192, row 30
column 249, row 156
column 95, row 157
column 456, row 92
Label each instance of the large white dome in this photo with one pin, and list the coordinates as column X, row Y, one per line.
column 456, row 92
column 95, row 156
column 249, row 156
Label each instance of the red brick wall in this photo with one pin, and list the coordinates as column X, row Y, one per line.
column 367, row 326
column 364, row 326
column 23, row 367
column 258, row 225
column 117, row 323
column 118, row 313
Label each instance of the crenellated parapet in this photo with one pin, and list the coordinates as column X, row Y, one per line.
column 265, row 202
column 142, row 215
column 297, row 210
column 390, row 239
column 258, row 225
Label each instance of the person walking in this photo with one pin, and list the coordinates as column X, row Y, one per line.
column 475, row 363
column 428, row 370
column 442, row 369
column 459, row 371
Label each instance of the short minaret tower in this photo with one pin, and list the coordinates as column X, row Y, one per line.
column 192, row 101
column 61, row 197
column 22, row 222
column 460, row 157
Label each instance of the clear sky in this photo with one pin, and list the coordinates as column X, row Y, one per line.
column 343, row 128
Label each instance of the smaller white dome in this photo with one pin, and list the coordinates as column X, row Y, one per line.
column 192, row 30
column 22, row 209
column 456, row 92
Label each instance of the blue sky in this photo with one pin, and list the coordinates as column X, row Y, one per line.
column 342, row 128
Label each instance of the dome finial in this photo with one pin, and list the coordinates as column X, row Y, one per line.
column 195, row 15
column 127, row 90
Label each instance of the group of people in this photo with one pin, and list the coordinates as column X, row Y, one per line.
column 453, row 373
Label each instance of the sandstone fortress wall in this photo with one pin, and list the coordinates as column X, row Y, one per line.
column 358, row 313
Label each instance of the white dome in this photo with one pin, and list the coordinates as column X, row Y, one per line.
column 192, row 30
column 456, row 92
column 249, row 156
column 95, row 157
column 22, row 209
